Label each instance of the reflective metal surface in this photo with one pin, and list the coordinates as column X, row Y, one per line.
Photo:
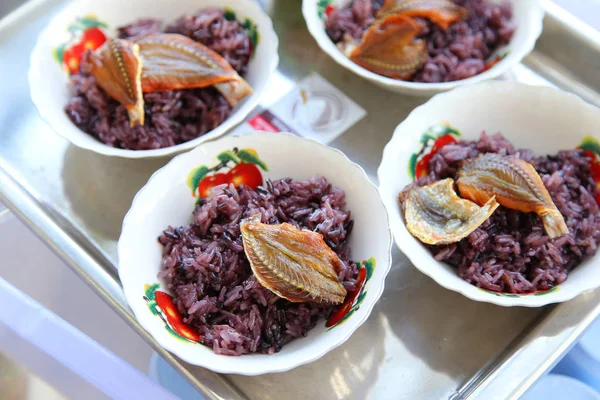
column 421, row 341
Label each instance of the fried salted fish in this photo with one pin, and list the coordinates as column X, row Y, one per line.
column 294, row 264
column 435, row 214
column 173, row 61
column 117, row 68
column 515, row 184
column 389, row 48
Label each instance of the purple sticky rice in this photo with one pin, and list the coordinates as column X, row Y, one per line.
column 205, row 266
column 455, row 54
column 172, row 117
column 511, row 252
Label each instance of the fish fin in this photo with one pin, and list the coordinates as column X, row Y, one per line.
column 136, row 112
column 554, row 224
column 389, row 48
column 234, row 90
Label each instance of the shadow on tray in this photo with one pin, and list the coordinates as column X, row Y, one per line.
column 451, row 333
column 417, row 326
column 101, row 188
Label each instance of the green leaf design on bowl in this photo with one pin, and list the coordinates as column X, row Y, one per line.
column 153, row 308
column 91, row 22
column 345, row 318
column 370, row 266
column 229, row 14
column 195, row 176
column 59, row 52
column 228, row 155
column 354, row 300
column 227, row 162
column 360, row 299
column 545, row 292
column 247, row 24
column 590, row 143
column 177, row 335
column 250, row 158
column 150, row 291
column 84, row 23
column 430, row 135
column 168, row 314
column 252, row 29
column 76, row 29
column 322, row 6
column 495, row 60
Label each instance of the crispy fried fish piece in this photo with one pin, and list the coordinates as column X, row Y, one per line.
column 173, row 61
column 294, row 264
column 515, row 184
column 434, row 213
column 389, row 48
column 117, row 68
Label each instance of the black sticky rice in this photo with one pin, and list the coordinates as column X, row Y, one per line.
column 458, row 53
column 215, row 290
column 511, row 252
column 172, row 117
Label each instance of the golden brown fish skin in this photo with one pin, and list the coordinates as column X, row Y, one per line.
column 515, row 184
column 441, row 12
column 389, row 48
column 117, row 68
column 435, row 214
column 173, row 61
column 294, row 264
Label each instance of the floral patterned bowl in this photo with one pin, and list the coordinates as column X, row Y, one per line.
column 86, row 23
column 527, row 14
column 544, row 120
column 168, row 199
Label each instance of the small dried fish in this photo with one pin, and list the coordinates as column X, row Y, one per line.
column 117, row 68
column 441, row 12
column 388, row 48
column 515, row 184
column 435, row 214
column 173, row 61
column 294, row 264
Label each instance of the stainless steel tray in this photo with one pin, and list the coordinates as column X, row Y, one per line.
column 421, row 342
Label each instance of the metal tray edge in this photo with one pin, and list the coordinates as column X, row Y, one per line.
column 56, row 233
column 35, row 216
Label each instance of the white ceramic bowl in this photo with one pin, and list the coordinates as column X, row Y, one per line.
column 167, row 200
column 542, row 119
column 527, row 14
column 49, row 84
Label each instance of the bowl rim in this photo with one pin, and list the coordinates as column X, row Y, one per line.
column 375, row 294
column 389, row 199
column 534, row 28
column 234, row 119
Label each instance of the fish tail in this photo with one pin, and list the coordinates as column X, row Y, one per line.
column 554, row 223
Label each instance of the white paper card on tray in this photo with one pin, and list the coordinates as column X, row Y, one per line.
column 314, row 109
